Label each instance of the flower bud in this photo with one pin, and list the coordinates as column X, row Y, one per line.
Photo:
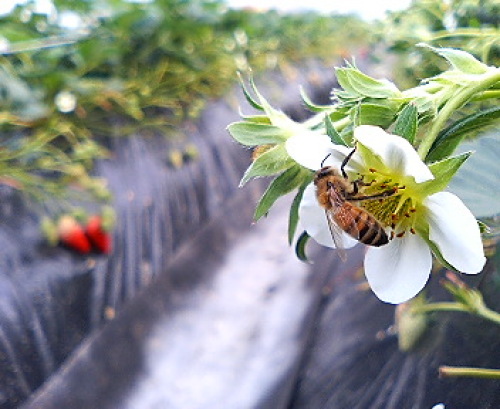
column 411, row 324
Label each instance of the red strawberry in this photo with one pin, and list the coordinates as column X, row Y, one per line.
column 98, row 235
column 72, row 235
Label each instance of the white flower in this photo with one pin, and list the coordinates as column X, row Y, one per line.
column 417, row 221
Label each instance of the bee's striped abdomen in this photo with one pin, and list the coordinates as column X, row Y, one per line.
column 369, row 230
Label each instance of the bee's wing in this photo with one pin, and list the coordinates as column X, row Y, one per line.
column 337, row 234
column 338, row 216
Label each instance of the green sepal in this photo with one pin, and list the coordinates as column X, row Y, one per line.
column 271, row 162
column 247, row 95
column 407, row 123
column 253, row 134
column 335, row 137
column 483, row 227
column 443, row 171
column 311, row 106
column 272, row 113
column 293, row 217
column 460, row 60
column 262, row 104
column 451, row 137
column 411, row 323
column 357, row 83
column 300, row 246
column 256, row 119
column 423, row 232
column 281, row 185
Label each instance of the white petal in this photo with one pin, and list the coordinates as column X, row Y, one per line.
column 313, row 150
column 313, row 219
column 454, row 229
column 309, row 149
column 396, row 152
column 398, row 271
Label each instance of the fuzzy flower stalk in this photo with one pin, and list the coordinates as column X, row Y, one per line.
column 418, row 216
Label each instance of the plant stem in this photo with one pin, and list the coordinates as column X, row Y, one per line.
column 490, row 94
column 441, row 306
column 490, row 315
column 483, row 312
column 472, row 372
column 454, row 103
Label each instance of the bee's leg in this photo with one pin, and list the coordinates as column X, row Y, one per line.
column 344, row 163
column 386, row 193
column 359, row 182
column 355, row 188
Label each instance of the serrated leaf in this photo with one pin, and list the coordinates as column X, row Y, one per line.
column 271, row 162
column 300, row 246
column 283, row 184
column 460, row 60
column 443, row 172
column 253, row 133
column 358, row 83
column 293, row 217
column 335, row 137
column 407, row 123
column 476, row 183
column 448, row 139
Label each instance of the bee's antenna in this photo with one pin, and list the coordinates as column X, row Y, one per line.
column 344, row 162
column 323, row 161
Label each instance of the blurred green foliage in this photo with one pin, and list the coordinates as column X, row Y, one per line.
column 85, row 70
column 121, row 65
column 471, row 25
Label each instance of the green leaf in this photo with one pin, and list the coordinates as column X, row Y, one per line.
column 357, row 83
column 443, row 172
column 300, row 246
column 335, row 137
column 283, row 184
column 476, row 183
column 407, row 123
column 460, row 60
column 253, row 133
column 448, row 139
column 271, row 162
column 293, row 218
column 375, row 114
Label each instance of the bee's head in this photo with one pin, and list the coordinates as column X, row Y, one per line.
column 324, row 172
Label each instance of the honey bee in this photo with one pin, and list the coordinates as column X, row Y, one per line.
column 335, row 193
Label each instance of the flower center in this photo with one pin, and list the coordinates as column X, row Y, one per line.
column 394, row 204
